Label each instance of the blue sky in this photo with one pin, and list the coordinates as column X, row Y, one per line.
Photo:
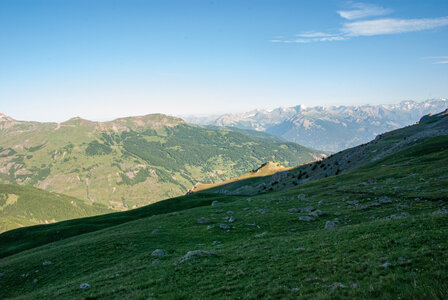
column 105, row 59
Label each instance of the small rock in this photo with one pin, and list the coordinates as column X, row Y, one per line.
column 224, row 226
column 191, row 255
column 249, row 199
column 383, row 258
column 246, row 208
column 330, row 225
column 155, row 261
column 321, row 202
column 316, row 213
column 263, row 211
column 84, row 286
column 46, row 263
column 306, row 218
column 155, row 231
column 293, row 210
column 352, row 202
column 385, row 200
column 301, row 197
column 159, row 252
column 354, row 285
column 294, row 289
column 216, row 242
column 336, row 285
column 203, row 221
column 210, row 227
column 35, row 280
column 307, row 209
column 2, row 274
column 337, row 213
column 216, row 203
column 386, row 265
column 219, row 211
column 231, row 219
column 261, row 234
column 25, row 275
column 300, row 249
column 230, row 212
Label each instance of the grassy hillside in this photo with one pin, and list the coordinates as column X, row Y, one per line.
column 131, row 162
column 377, row 232
column 22, row 206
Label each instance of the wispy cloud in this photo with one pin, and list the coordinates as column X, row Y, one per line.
column 363, row 10
column 438, row 60
column 391, row 26
column 309, row 38
column 366, row 27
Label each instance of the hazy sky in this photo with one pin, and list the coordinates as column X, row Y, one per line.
column 104, row 59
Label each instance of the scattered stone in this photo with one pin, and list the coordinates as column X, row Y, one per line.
column 2, row 274
column 294, row 289
column 301, row 197
column 337, row 213
column 383, row 258
column 330, row 225
column 231, row 219
column 230, row 212
column 203, row 221
column 155, row 261
column 261, row 234
column 306, row 218
column 210, row 227
column 354, row 285
column 352, row 202
column 336, row 285
column 191, row 255
column 246, row 208
column 384, row 200
column 263, row 211
column 375, row 204
column 84, row 286
column 216, row 242
column 224, row 226
column 46, row 263
column 249, row 199
column 386, row 265
column 316, row 213
column 36, row 271
column 25, row 275
column 396, row 216
column 293, row 210
column 300, row 249
column 155, row 231
column 307, row 209
column 175, row 213
column 321, row 202
column 159, row 252
column 35, row 280
column 216, row 203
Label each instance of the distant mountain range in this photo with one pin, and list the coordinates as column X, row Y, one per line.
column 331, row 128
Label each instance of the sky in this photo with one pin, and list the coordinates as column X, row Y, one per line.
column 103, row 59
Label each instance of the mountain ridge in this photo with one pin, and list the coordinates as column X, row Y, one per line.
column 331, row 128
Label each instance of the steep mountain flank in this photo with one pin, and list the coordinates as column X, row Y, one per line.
column 130, row 162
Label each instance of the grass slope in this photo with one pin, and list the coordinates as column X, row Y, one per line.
column 117, row 163
column 22, row 206
column 390, row 241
